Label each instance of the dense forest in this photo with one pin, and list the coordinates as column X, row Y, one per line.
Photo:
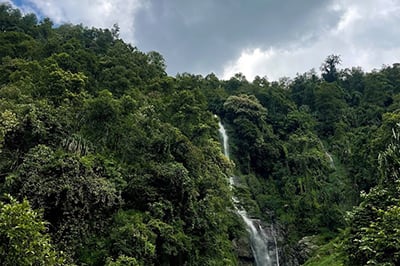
column 107, row 160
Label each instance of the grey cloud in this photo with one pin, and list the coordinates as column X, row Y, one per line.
column 365, row 34
column 200, row 36
column 263, row 37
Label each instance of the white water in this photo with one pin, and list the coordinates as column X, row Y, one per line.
column 330, row 159
column 263, row 243
column 222, row 132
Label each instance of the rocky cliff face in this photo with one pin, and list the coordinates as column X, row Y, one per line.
column 244, row 252
column 306, row 248
column 300, row 253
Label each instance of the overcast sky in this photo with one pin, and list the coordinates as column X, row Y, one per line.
column 272, row 38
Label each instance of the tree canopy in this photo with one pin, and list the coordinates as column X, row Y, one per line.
column 107, row 160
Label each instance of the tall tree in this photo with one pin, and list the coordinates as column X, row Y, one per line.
column 329, row 69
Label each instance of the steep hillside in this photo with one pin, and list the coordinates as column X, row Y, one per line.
column 107, row 160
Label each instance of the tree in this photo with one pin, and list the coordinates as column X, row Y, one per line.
column 302, row 89
column 372, row 236
column 115, row 31
column 75, row 195
column 9, row 17
column 255, row 143
column 130, row 236
column 247, row 106
column 8, row 121
column 23, row 237
column 329, row 103
column 122, row 261
column 157, row 61
column 91, row 126
column 329, row 68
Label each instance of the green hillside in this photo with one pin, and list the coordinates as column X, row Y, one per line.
column 107, row 160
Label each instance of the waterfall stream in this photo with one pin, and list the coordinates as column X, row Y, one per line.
column 263, row 240
column 332, row 163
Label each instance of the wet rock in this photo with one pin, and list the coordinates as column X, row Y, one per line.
column 244, row 252
column 306, row 247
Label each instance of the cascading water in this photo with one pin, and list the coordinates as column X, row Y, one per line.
column 263, row 241
column 224, row 136
column 330, row 159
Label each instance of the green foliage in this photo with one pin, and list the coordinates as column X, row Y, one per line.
column 329, row 102
column 302, row 89
column 372, row 235
column 292, row 181
column 8, row 121
column 17, row 44
column 122, row 261
column 257, row 142
column 123, row 160
column 131, row 237
column 247, row 106
column 327, row 255
column 60, row 83
column 381, row 239
column 126, row 165
column 23, row 237
column 74, row 197
column 374, row 226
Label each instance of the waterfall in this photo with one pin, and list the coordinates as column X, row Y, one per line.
column 330, row 159
column 263, row 242
column 222, row 132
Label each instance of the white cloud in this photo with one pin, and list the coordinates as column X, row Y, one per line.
column 366, row 34
column 96, row 13
column 274, row 63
